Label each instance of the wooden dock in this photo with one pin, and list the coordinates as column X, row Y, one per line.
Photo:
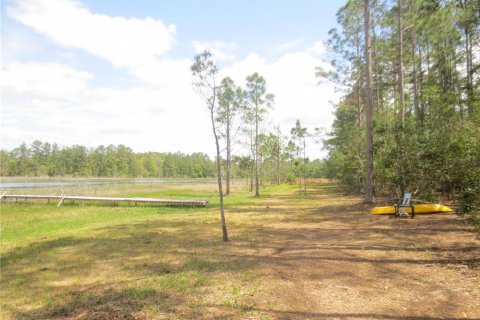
column 61, row 199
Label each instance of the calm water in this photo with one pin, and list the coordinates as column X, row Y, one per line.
column 64, row 183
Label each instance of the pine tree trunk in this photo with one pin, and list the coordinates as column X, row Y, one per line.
column 252, row 164
column 299, row 171
column 416, row 105
column 300, row 181
column 228, row 164
column 468, row 53
column 368, row 107
column 257, row 189
column 401, row 101
column 278, row 156
column 261, row 176
column 304, row 168
column 251, row 181
column 359, row 119
column 219, row 179
column 401, row 96
column 278, row 167
column 420, row 86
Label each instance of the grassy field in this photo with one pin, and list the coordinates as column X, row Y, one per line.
column 290, row 257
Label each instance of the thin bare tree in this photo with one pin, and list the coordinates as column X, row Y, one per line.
column 204, row 72
column 368, row 106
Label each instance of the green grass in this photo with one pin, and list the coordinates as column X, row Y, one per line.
column 62, row 262
column 25, row 222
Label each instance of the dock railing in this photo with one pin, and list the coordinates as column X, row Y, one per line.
column 63, row 198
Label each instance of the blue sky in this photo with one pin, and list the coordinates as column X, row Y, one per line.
column 101, row 72
column 255, row 25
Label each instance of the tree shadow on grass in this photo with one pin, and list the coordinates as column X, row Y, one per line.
column 260, row 210
column 100, row 304
column 288, row 315
column 366, row 247
column 176, row 256
column 356, row 216
column 272, row 260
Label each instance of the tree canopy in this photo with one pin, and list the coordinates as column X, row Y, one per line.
column 425, row 73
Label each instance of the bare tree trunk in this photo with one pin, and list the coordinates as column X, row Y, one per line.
column 299, row 171
column 428, row 103
column 272, row 173
column 401, row 96
column 278, row 155
column 420, row 84
column 304, row 168
column 252, row 164
column 278, row 167
column 228, row 165
column 375, row 73
column 368, row 106
column 251, row 181
column 300, row 182
column 468, row 52
column 401, row 100
column 378, row 76
column 416, row 105
column 257, row 189
column 261, row 176
column 359, row 118
column 219, row 179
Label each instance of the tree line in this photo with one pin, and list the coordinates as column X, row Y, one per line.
column 48, row 159
column 409, row 119
column 41, row 159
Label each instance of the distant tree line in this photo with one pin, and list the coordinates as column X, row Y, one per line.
column 48, row 159
column 410, row 73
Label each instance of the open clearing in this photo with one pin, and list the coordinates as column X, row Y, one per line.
column 290, row 257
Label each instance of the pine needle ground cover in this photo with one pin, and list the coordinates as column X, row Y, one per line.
column 319, row 256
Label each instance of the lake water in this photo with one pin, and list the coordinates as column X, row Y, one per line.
column 61, row 183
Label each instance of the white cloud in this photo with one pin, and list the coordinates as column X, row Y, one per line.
column 140, row 46
column 220, row 50
column 58, row 103
column 54, row 102
column 47, row 79
column 318, row 48
column 124, row 42
column 172, row 73
column 297, row 95
column 288, row 45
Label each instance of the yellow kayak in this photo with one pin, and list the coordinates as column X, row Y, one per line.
column 419, row 209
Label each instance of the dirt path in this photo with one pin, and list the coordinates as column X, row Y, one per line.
column 331, row 260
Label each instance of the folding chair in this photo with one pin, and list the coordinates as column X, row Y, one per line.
column 401, row 207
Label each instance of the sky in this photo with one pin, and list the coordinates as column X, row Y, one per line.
column 118, row 72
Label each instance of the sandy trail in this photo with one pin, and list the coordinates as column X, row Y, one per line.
column 329, row 259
